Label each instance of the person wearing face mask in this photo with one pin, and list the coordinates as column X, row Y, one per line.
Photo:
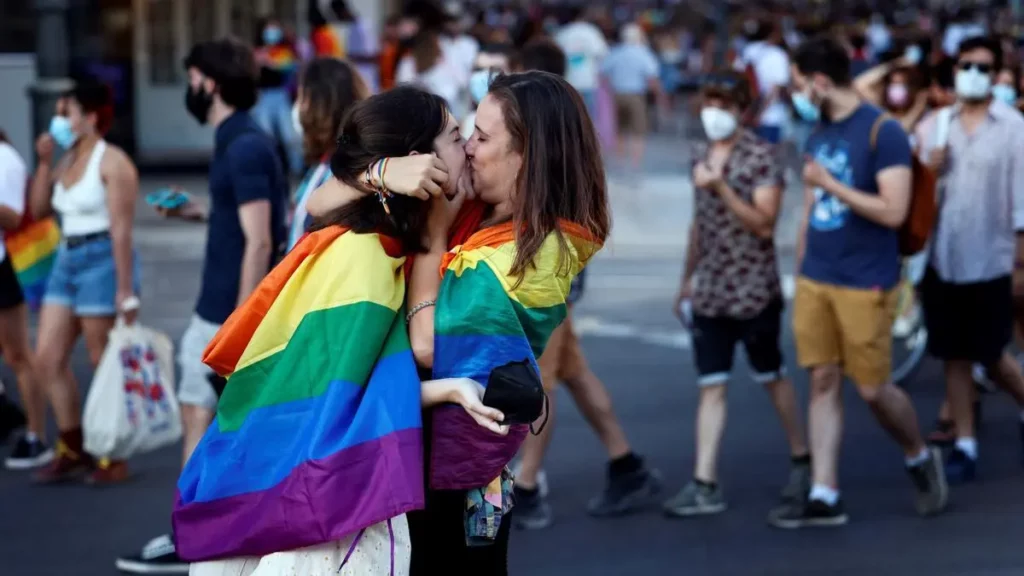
column 856, row 196
column 278, row 64
column 894, row 86
column 489, row 63
column 738, row 192
column 976, row 146
column 95, row 278
column 1005, row 89
column 246, row 232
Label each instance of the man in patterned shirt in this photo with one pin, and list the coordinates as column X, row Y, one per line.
column 731, row 282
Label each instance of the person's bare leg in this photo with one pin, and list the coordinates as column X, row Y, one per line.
column 535, row 447
column 1006, row 373
column 894, row 411
column 14, row 341
column 783, row 395
column 195, row 420
column 711, row 417
column 57, row 333
column 959, row 394
column 637, row 144
column 825, row 420
column 595, row 404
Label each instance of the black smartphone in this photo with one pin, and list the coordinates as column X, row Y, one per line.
column 516, row 389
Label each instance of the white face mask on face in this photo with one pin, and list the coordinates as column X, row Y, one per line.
column 296, row 121
column 718, row 124
column 973, row 84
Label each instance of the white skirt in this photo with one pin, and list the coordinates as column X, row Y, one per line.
column 381, row 550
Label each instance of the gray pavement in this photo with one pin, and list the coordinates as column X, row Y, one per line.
column 74, row 530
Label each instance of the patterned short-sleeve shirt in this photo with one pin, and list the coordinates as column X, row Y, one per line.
column 736, row 274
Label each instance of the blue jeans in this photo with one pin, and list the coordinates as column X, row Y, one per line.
column 273, row 112
column 590, row 101
column 84, row 278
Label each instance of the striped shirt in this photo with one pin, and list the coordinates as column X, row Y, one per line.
column 981, row 195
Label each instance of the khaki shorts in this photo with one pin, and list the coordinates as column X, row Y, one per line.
column 631, row 113
column 848, row 327
column 562, row 359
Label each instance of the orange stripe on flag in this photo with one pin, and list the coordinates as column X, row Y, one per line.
column 226, row 348
column 35, row 232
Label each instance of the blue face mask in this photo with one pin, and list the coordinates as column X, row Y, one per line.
column 806, row 109
column 272, row 35
column 1005, row 93
column 479, row 83
column 61, row 132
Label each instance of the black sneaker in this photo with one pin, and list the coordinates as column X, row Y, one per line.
column 960, row 468
column 28, row 454
column 929, row 480
column 531, row 511
column 626, row 492
column 809, row 514
column 11, row 417
column 157, row 557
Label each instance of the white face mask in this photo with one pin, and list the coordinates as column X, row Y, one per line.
column 718, row 124
column 296, row 122
column 973, row 84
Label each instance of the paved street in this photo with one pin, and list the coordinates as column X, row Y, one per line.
column 637, row 348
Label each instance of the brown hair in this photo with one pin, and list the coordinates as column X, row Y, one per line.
column 562, row 176
column 329, row 88
column 727, row 85
column 394, row 123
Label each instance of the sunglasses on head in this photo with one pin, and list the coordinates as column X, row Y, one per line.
column 980, row 67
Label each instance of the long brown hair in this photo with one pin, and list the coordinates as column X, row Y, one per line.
column 562, row 176
column 394, row 123
column 329, row 88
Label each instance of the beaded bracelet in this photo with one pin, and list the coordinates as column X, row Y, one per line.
column 419, row 308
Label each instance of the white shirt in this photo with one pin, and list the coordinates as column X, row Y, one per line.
column 771, row 65
column 83, row 206
column 13, row 177
column 443, row 78
column 584, row 47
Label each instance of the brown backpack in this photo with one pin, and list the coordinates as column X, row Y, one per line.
column 924, row 208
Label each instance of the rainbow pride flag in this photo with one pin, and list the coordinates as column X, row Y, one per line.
column 282, row 58
column 486, row 318
column 33, row 249
column 318, row 433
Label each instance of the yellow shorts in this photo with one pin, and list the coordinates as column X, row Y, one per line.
column 848, row 327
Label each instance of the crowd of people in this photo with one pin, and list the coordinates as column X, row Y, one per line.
column 472, row 144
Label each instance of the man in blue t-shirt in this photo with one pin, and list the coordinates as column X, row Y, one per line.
column 857, row 195
column 246, row 232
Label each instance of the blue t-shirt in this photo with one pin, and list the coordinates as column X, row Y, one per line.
column 245, row 168
column 842, row 247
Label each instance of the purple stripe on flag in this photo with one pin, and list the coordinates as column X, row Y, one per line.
column 463, row 454
column 320, row 501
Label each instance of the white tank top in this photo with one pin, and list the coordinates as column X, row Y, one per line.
column 83, row 206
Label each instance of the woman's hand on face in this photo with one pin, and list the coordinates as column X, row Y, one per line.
column 469, row 394
column 420, row 176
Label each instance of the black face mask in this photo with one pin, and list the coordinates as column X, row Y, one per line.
column 198, row 103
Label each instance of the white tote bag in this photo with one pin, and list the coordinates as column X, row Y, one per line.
column 131, row 408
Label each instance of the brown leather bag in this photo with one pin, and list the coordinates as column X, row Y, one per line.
column 924, row 208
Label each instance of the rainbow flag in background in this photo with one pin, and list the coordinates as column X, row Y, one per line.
column 33, row 249
column 318, row 433
column 486, row 318
column 282, row 58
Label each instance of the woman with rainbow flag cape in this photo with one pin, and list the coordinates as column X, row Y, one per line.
column 506, row 265
column 316, row 454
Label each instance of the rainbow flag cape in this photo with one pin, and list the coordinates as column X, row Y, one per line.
column 319, row 431
column 33, row 249
column 486, row 318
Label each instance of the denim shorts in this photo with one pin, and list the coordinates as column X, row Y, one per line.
column 84, row 278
